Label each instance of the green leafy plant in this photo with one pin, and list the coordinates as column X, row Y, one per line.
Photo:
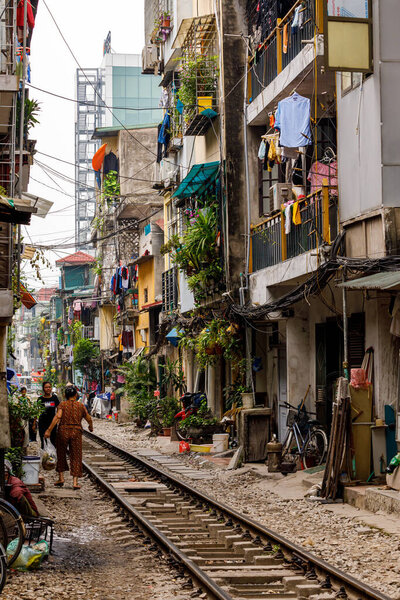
column 86, row 355
column 14, row 455
column 31, row 112
column 168, row 408
column 196, row 252
column 198, row 76
column 111, row 186
column 219, row 338
column 76, row 331
column 173, row 375
column 203, row 418
column 20, row 409
column 140, row 382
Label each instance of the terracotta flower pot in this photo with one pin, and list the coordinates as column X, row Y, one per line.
column 167, row 431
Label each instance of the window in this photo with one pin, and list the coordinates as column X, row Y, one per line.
column 145, row 295
column 350, row 81
column 266, row 179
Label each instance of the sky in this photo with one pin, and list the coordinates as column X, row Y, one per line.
column 84, row 24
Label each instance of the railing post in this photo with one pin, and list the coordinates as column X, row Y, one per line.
column 326, row 234
column 251, row 250
column 283, row 236
column 319, row 15
column 278, row 46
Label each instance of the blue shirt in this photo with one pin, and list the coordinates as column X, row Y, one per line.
column 293, row 120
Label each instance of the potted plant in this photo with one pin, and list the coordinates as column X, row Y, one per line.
column 168, row 408
column 246, row 393
column 201, row 426
column 166, row 20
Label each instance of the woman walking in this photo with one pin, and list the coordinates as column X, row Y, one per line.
column 69, row 435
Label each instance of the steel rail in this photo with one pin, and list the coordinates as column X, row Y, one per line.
column 162, row 540
column 339, row 577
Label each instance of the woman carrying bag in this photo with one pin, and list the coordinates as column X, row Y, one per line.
column 69, row 435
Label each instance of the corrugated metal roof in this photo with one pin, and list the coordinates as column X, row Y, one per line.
column 379, row 281
column 198, row 180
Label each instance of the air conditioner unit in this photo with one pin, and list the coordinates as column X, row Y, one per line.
column 168, row 172
column 149, row 58
column 278, row 194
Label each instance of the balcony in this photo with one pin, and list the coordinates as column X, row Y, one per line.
column 88, row 332
column 273, row 58
column 285, row 60
column 319, row 224
column 198, row 76
column 169, row 290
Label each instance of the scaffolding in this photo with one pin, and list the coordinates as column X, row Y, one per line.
column 89, row 115
column 199, row 75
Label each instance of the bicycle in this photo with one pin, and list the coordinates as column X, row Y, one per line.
column 305, row 438
column 12, row 527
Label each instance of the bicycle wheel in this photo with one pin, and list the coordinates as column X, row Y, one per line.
column 315, row 449
column 3, row 568
column 12, row 528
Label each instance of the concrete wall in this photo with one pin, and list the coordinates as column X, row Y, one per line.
column 234, row 62
column 368, row 128
column 134, row 158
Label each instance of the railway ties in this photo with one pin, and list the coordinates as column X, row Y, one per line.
column 222, row 552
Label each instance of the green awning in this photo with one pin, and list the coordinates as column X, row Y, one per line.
column 388, row 280
column 198, row 180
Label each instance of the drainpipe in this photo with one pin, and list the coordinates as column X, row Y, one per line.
column 345, row 330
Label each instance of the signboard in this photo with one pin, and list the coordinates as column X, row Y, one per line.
column 353, row 9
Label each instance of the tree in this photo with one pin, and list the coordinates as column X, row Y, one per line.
column 86, row 356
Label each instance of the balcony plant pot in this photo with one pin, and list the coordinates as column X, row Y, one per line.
column 166, row 22
column 167, row 431
column 204, row 103
column 247, row 400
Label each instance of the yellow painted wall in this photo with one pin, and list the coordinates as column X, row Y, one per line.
column 145, row 280
column 202, row 7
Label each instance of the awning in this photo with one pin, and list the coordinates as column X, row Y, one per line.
column 198, row 180
column 379, row 281
column 173, row 337
column 186, row 24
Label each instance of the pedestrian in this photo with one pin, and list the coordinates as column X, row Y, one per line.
column 32, row 422
column 69, row 435
column 50, row 403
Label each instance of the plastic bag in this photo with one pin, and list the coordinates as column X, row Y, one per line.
column 184, row 447
column 28, row 559
column 49, row 456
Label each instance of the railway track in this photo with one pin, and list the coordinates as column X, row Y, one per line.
column 222, row 552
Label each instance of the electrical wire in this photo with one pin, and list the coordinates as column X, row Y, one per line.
column 82, row 102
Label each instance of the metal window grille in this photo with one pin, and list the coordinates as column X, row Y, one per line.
column 169, row 290
column 199, row 75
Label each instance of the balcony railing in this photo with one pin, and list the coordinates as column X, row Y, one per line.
column 169, row 290
column 7, row 37
column 88, row 332
column 319, row 224
column 273, row 59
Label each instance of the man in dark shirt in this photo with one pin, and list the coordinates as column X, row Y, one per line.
column 50, row 403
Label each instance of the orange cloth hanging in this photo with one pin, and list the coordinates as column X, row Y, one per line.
column 285, row 38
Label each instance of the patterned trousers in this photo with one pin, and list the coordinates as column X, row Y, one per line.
column 69, row 438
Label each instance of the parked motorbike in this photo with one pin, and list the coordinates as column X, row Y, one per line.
column 191, row 402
